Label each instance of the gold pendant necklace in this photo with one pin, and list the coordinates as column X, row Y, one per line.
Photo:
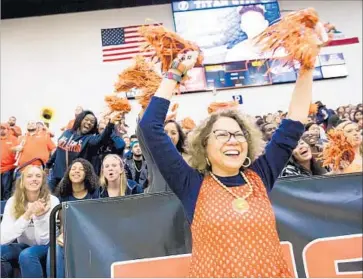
column 239, row 204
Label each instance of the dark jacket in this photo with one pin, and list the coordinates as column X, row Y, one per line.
column 78, row 146
column 323, row 115
column 132, row 189
column 293, row 168
column 156, row 182
column 115, row 145
column 131, row 171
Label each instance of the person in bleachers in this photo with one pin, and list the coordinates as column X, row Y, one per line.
column 113, row 179
column 135, row 165
column 42, row 129
column 354, row 137
column 79, row 142
column 341, row 111
column 358, row 115
column 132, row 139
column 70, row 124
column 35, row 145
column 323, row 114
column 115, row 145
column 14, row 130
column 176, row 134
column 156, row 182
column 302, row 162
column 79, row 183
column 268, row 130
column 8, row 145
column 126, row 139
column 26, row 219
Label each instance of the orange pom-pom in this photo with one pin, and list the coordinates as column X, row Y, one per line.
column 140, row 75
column 296, row 34
column 217, row 106
column 118, row 104
column 167, row 45
column 313, row 109
column 337, row 150
column 188, row 124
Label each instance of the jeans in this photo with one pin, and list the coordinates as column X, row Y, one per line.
column 30, row 259
column 6, row 184
column 59, row 262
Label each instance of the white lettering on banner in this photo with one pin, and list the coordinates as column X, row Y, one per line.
column 220, row 3
column 207, row 4
column 183, row 5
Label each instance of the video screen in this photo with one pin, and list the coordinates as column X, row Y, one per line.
column 223, row 29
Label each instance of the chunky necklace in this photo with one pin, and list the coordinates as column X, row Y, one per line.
column 239, row 204
column 138, row 170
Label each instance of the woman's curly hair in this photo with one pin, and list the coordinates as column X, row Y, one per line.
column 197, row 141
column 64, row 188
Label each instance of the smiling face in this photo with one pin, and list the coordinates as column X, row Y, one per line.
column 77, row 173
column 302, row 152
column 31, row 126
column 33, row 179
column 87, row 123
column 112, row 168
column 226, row 153
column 172, row 131
column 314, row 129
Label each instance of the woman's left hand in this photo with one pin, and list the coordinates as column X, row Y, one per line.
column 322, row 35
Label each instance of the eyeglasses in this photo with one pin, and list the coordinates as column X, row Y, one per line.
column 225, row 136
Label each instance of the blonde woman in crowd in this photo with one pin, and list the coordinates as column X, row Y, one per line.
column 26, row 219
column 354, row 137
column 113, row 179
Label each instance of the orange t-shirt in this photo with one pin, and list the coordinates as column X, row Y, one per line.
column 36, row 146
column 16, row 131
column 7, row 156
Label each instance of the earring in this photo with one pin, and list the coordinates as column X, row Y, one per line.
column 208, row 163
column 248, row 164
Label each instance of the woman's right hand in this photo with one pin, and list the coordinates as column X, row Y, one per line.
column 60, row 240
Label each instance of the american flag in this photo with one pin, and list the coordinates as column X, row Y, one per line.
column 122, row 43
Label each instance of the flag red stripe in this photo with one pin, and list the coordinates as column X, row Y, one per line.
column 124, row 58
column 342, row 42
column 121, row 53
column 118, row 48
column 134, row 41
column 136, row 36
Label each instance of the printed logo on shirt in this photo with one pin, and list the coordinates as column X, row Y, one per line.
column 72, row 146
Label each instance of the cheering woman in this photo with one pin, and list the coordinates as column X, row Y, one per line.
column 224, row 191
